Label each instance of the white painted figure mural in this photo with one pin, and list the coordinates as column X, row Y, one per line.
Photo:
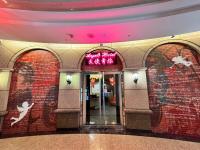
column 181, row 60
column 23, row 111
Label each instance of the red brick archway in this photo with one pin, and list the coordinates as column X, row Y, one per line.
column 35, row 80
column 173, row 73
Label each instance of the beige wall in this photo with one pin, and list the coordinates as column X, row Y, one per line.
column 136, row 96
column 5, row 75
column 69, row 94
column 69, row 55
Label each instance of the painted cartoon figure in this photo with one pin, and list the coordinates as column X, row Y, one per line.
column 180, row 60
column 23, row 111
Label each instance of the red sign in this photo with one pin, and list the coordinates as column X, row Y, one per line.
column 101, row 58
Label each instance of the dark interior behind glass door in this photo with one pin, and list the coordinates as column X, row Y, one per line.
column 102, row 102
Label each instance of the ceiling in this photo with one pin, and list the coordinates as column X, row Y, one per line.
column 92, row 23
column 70, row 5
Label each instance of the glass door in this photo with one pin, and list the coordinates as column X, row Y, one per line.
column 102, row 99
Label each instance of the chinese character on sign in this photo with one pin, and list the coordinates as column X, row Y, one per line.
column 103, row 61
column 90, row 62
column 97, row 61
column 110, row 61
column 101, row 58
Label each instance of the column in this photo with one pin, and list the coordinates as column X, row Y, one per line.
column 68, row 112
column 137, row 112
column 5, row 78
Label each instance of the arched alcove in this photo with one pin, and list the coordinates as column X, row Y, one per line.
column 31, row 48
column 33, row 93
column 173, row 75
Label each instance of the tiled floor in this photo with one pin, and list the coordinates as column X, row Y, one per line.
column 94, row 142
column 107, row 117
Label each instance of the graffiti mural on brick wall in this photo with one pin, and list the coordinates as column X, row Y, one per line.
column 33, row 94
column 173, row 73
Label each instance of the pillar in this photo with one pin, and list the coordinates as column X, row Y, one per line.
column 68, row 111
column 137, row 112
column 5, row 78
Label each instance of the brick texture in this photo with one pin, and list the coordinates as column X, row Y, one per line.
column 174, row 90
column 35, row 79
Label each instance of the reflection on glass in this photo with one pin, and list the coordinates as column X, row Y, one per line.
column 103, row 101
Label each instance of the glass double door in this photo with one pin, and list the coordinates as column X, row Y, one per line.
column 102, row 99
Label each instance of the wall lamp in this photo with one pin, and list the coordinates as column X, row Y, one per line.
column 69, row 79
column 135, row 77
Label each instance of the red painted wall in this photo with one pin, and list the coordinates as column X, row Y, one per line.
column 174, row 90
column 35, row 79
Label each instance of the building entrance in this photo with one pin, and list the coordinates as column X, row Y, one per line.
column 102, row 98
column 102, row 91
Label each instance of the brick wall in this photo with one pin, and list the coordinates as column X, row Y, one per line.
column 174, row 89
column 35, row 80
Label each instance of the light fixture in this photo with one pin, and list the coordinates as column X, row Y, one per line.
column 135, row 77
column 69, row 79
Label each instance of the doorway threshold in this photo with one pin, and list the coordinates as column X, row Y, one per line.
column 109, row 129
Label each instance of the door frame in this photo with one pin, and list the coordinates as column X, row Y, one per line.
column 84, row 94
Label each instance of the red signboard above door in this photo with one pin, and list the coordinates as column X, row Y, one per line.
column 101, row 58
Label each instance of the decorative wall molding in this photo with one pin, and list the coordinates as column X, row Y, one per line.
column 6, row 69
column 181, row 41
column 135, row 69
column 70, row 70
column 67, row 110
column 30, row 48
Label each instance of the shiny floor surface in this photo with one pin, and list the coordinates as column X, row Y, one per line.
column 95, row 142
column 107, row 117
